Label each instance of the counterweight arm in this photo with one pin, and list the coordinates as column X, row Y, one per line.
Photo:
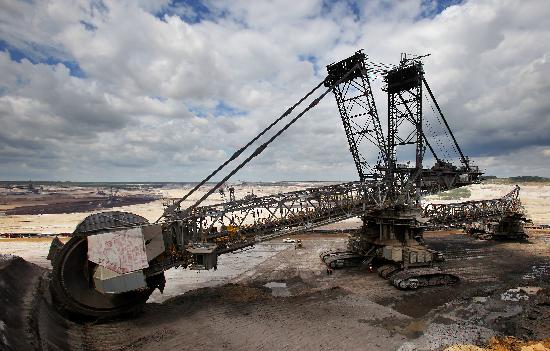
column 470, row 211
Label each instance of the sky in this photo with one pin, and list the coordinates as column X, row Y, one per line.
column 159, row 90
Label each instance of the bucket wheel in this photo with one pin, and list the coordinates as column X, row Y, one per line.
column 72, row 285
column 73, row 289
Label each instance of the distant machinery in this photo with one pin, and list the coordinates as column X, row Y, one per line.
column 500, row 219
column 115, row 260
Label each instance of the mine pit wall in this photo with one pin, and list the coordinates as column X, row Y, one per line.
column 20, row 282
column 28, row 318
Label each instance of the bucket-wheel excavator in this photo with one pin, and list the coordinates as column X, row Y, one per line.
column 114, row 260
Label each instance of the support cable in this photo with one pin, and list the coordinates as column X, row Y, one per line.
column 437, row 140
column 464, row 161
column 262, row 147
column 444, row 133
column 170, row 209
column 437, row 135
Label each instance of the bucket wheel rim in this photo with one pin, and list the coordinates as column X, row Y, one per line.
column 73, row 290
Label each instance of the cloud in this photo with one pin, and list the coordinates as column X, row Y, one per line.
column 162, row 90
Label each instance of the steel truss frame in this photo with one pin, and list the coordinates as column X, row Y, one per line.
column 469, row 211
column 404, row 87
column 358, row 111
column 262, row 218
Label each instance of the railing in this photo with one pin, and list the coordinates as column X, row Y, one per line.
column 241, row 223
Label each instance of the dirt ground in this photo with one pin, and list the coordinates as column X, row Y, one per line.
column 275, row 297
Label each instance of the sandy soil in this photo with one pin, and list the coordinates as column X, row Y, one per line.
column 34, row 250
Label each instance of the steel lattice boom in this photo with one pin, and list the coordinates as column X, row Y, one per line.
column 261, row 218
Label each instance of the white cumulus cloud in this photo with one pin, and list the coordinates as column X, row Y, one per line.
column 162, row 90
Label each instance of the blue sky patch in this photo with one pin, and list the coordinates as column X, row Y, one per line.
column 18, row 55
column 190, row 11
column 88, row 26
column 440, row 6
column 221, row 109
column 200, row 112
column 311, row 59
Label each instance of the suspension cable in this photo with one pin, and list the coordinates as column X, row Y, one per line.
column 263, row 146
column 170, row 209
column 462, row 157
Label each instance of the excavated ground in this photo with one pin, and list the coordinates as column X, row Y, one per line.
column 284, row 300
column 70, row 205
